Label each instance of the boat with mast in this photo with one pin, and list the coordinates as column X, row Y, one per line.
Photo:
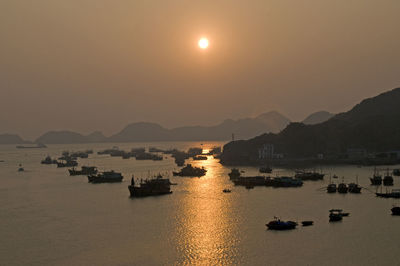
column 376, row 179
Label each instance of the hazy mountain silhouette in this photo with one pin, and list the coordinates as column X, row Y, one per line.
column 143, row 131
column 11, row 139
column 68, row 137
column 373, row 124
column 317, row 117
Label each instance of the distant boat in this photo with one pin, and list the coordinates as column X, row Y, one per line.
column 331, row 188
column 395, row 193
column 376, row 179
column 265, row 169
column 277, row 224
column 85, row 170
column 226, row 190
column 150, row 187
column 395, row 211
column 342, row 187
column 20, row 169
column 354, row 187
column 307, row 223
column 303, row 175
column 37, row 146
column 105, row 177
column 388, row 179
column 335, row 215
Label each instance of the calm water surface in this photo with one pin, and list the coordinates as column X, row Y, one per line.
column 50, row 218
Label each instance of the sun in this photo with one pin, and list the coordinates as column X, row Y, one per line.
column 203, row 43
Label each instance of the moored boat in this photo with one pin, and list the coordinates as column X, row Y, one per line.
column 395, row 193
column 303, row 175
column 342, row 188
column 85, row 170
column 191, row 171
column 331, row 188
column 376, row 179
column 388, row 179
column 150, row 187
column 277, row 224
column 105, row 177
column 354, row 188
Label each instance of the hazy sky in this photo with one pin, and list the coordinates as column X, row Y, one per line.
column 99, row 65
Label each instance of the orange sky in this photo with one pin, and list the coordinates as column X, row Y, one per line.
column 101, row 64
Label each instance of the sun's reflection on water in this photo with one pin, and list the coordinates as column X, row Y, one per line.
column 207, row 230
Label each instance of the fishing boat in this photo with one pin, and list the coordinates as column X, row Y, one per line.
column 85, row 170
column 331, row 188
column 388, row 179
column 395, row 193
column 150, row 187
column 354, row 187
column 105, row 177
column 376, row 179
column 342, row 187
column 303, row 175
column 191, row 171
column 277, row 224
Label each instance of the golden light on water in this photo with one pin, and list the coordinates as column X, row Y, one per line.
column 208, row 229
column 203, row 43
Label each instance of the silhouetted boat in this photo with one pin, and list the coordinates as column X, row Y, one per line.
column 150, row 187
column 265, row 169
column 354, row 188
column 303, row 175
column 85, row 170
column 307, row 223
column 395, row 193
column 199, row 158
column 69, row 163
column 105, row 177
column 395, row 211
column 48, row 160
column 335, row 215
column 283, row 181
column 388, row 179
column 331, row 188
column 376, row 179
column 191, row 171
column 277, row 224
column 226, row 190
column 342, row 188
